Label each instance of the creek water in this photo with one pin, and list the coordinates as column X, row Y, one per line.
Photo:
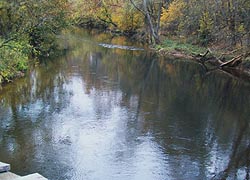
column 103, row 112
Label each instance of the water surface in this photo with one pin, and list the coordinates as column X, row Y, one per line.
column 100, row 113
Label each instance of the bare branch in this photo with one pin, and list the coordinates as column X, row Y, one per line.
column 140, row 10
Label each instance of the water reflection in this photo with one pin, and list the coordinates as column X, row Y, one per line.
column 100, row 113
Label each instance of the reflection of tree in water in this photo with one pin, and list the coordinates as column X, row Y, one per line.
column 240, row 155
column 189, row 113
column 25, row 120
column 195, row 119
column 219, row 99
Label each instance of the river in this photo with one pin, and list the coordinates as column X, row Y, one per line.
column 103, row 112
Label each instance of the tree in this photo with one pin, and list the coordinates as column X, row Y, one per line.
column 151, row 11
column 220, row 21
column 171, row 16
column 40, row 20
column 28, row 27
column 225, row 22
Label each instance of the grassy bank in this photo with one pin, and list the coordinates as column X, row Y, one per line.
column 235, row 63
column 175, row 47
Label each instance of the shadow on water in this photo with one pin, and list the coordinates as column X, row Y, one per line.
column 240, row 156
column 100, row 113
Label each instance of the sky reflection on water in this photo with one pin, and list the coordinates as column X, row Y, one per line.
column 100, row 113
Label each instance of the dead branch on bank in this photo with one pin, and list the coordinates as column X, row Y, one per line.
column 233, row 62
column 232, row 66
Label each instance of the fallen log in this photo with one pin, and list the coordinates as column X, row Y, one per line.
column 231, row 67
column 233, row 62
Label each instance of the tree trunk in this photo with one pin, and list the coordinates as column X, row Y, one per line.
column 152, row 12
column 153, row 36
column 232, row 22
column 159, row 17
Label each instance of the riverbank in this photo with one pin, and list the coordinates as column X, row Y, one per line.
column 14, row 57
column 233, row 62
column 17, row 57
column 28, row 31
column 211, row 60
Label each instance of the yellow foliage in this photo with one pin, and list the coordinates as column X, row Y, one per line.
column 174, row 11
column 118, row 13
column 206, row 23
column 241, row 28
column 127, row 18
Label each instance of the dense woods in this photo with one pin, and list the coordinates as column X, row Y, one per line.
column 195, row 21
column 29, row 27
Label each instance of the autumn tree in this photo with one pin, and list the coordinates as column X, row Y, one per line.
column 196, row 21
column 151, row 11
column 127, row 18
column 171, row 17
column 28, row 27
column 117, row 15
column 204, row 22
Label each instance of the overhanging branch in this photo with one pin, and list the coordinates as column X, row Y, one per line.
column 140, row 10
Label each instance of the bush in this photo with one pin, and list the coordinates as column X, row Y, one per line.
column 14, row 57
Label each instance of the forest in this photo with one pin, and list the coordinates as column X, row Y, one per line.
column 29, row 28
column 194, row 21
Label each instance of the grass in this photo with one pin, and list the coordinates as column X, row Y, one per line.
column 170, row 46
